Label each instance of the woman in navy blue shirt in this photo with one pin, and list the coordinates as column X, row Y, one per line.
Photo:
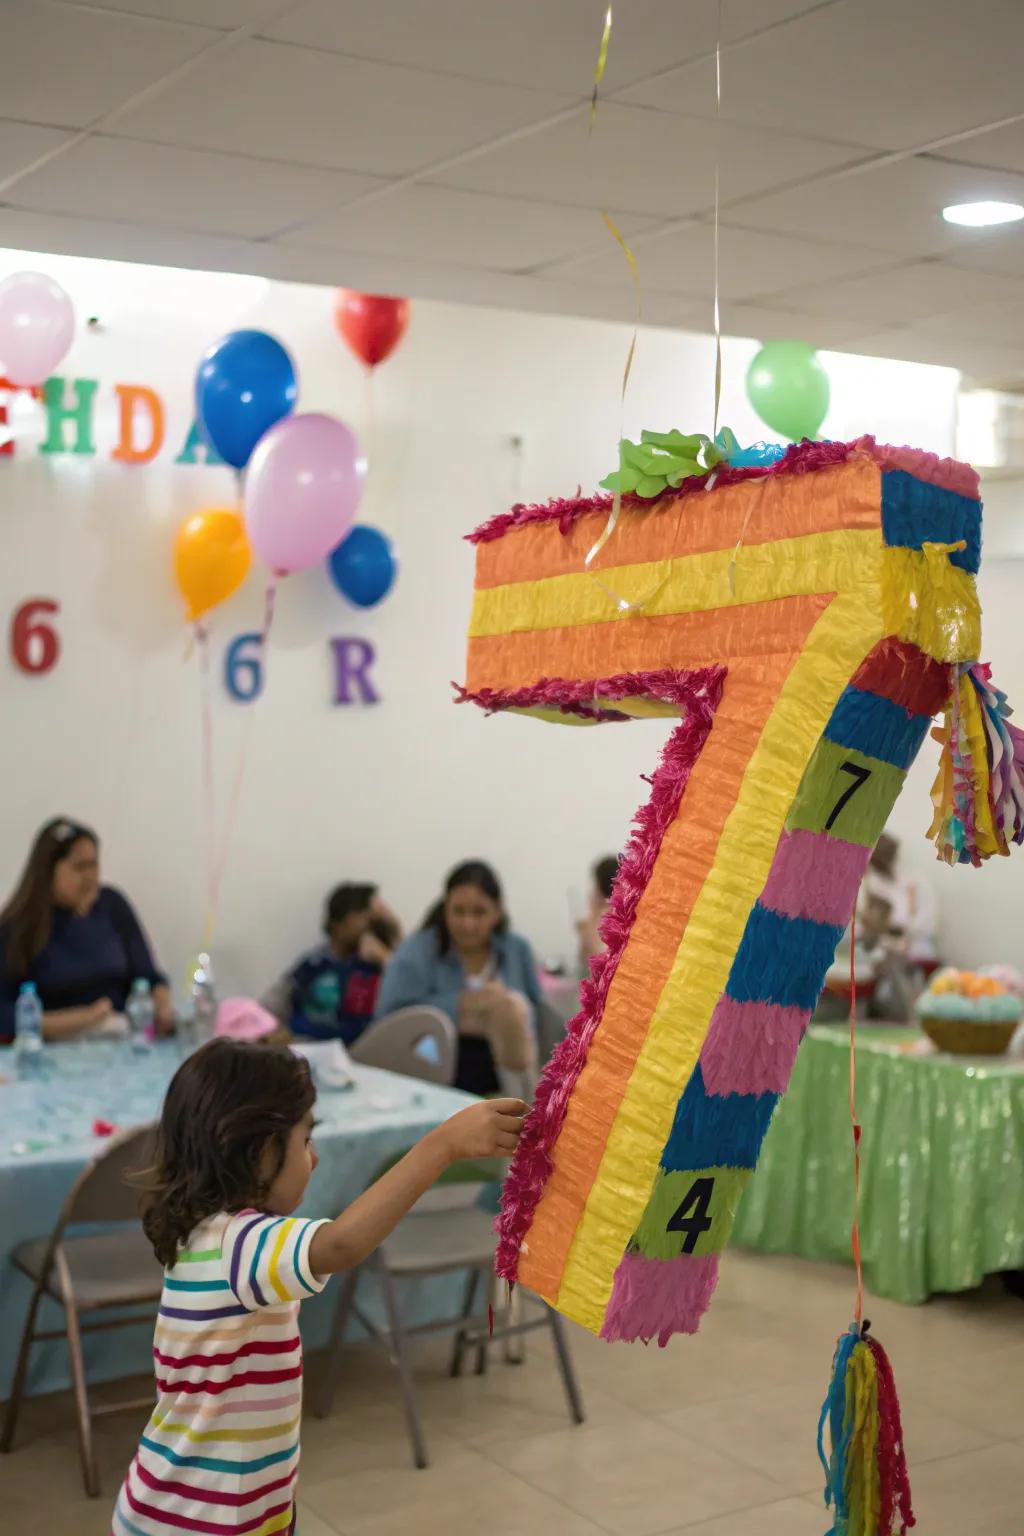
column 78, row 940
column 465, row 962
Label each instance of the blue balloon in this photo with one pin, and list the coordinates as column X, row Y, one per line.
column 364, row 566
column 246, row 382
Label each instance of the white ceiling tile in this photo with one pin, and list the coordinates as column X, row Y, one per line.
column 23, row 143
column 989, row 324
column 981, row 361
column 66, row 66
column 225, row 15
column 549, row 43
column 904, row 293
column 469, row 228
column 23, row 229
column 283, row 103
column 1002, row 148
column 751, row 262
column 105, row 178
column 776, row 323
column 891, row 73
column 890, row 207
column 648, row 162
column 998, row 250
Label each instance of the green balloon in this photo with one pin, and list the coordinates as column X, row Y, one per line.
column 788, row 388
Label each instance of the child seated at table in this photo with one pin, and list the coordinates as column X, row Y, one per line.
column 331, row 992
column 234, row 1157
column 588, row 928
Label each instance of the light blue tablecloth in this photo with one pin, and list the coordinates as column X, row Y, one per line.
column 46, row 1138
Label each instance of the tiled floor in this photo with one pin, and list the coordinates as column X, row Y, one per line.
column 712, row 1437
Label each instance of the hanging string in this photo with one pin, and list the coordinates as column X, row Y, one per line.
column 602, row 60
column 622, row 604
column 371, row 422
column 854, row 1122
column 235, row 795
column 613, row 515
column 718, row 160
column 202, row 641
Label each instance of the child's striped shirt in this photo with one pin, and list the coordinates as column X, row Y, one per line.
column 220, row 1454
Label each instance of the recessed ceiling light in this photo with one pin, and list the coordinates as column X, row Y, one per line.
column 981, row 215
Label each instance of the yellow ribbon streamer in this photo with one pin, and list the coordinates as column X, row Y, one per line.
column 613, row 515
column 602, row 60
column 718, row 157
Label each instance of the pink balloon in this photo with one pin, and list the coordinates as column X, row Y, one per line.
column 37, row 325
column 302, row 489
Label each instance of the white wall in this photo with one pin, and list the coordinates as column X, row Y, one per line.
column 401, row 791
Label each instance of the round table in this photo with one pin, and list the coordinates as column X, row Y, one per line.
column 48, row 1134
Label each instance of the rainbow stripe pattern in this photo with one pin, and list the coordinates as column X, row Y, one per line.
column 807, row 621
column 220, row 1453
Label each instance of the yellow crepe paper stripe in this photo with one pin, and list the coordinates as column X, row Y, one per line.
column 821, row 562
column 931, row 603
column 837, row 645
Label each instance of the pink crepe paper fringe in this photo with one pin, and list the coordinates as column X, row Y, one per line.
column 655, row 1298
column 700, row 692
column 896, row 1511
column 799, row 459
column 582, row 698
column 547, row 694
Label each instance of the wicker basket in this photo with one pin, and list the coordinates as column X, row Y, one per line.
column 967, row 1037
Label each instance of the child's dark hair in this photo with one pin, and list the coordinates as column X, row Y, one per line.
column 345, row 900
column 605, row 871
column 226, row 1104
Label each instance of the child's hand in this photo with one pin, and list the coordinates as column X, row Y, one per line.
column 489, row 1129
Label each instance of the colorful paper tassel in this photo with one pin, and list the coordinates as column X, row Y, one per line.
column 866, row 1482
column 979, row 789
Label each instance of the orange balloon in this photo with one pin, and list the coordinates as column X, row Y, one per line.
column 211, row 558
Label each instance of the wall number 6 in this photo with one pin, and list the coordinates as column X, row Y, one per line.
column 35, row 645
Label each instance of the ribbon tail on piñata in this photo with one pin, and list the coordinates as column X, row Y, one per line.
column 866, row 1482
column 978, row 792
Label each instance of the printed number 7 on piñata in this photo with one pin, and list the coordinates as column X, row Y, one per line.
column 807, row 665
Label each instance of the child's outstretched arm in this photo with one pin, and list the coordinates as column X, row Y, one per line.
column 488, row 1129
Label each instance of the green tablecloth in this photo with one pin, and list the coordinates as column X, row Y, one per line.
column 942, row 1187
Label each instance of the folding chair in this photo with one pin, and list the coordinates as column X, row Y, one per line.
column 87, row 1272
column 414, row 1042
column 441, row 1235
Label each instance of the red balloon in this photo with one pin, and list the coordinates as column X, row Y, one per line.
column 372, row 324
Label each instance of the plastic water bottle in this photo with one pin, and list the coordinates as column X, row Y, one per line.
column 28, row 1031
column 204, row 1001
column 140, row 1015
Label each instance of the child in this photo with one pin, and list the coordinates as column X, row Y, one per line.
column 589, row 928
column 330, row 993
column 234, row 1156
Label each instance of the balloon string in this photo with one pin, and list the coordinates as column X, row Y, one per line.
column 202, row 641
column 371, row 423
column 718, row 158
column 235, row 796
column 854, row 1122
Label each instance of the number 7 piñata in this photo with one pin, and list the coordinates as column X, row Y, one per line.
column 807, row 619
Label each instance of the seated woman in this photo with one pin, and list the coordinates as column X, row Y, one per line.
column 589, row 927
column 330, row 993
column 78, row 940
column 465, row 962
